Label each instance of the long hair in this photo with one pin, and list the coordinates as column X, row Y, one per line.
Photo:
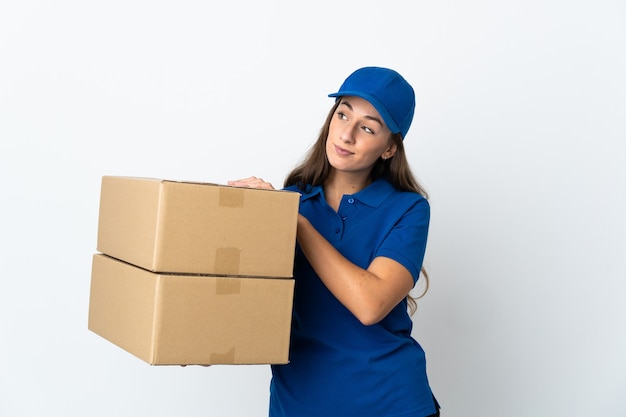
column 315, row 169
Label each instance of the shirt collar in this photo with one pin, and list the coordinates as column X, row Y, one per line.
column 310, row 192
column 373, row 195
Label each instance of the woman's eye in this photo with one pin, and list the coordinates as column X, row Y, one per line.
column 368, row 130
column 341, row 115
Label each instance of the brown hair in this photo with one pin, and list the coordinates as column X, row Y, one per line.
column 315, row 169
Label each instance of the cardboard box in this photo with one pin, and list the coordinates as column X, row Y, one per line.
column 167, row 319
column 182, row 227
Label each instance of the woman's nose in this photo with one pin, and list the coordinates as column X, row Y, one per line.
column 347, row 134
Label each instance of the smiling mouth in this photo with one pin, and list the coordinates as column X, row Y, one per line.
column 341, row 151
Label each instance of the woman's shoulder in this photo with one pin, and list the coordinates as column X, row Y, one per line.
column 409, row 201
column 293, row 188
column 393, row 194
column 305, row 191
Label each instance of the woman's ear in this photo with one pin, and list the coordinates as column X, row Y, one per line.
column 389, row 152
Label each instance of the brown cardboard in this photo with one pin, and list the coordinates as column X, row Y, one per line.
column 168, row 319
column 183, row 227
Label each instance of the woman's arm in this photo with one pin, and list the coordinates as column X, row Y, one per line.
column 370, row 294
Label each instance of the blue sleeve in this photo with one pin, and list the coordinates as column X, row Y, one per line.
column 406, row 241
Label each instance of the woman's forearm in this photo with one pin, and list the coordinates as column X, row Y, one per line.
column 368, row 293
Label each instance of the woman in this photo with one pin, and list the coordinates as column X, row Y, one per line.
column 362, row 234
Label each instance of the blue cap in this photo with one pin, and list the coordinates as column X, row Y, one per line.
column 387, row 91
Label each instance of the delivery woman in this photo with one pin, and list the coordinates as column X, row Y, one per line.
column 362, row 233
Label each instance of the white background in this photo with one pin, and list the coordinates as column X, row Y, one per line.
column 518, row 136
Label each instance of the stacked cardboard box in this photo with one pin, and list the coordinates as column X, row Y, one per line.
column 194, row 273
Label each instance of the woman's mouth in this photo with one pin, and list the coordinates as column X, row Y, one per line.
column 341, row 151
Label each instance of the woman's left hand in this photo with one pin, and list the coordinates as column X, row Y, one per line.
column 252, row 182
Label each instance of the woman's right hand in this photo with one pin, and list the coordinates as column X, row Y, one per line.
column 252, row 182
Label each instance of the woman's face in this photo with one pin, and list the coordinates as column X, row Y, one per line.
column 357, row 137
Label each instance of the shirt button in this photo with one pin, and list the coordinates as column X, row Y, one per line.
column 351, row 200
column 344, row 218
